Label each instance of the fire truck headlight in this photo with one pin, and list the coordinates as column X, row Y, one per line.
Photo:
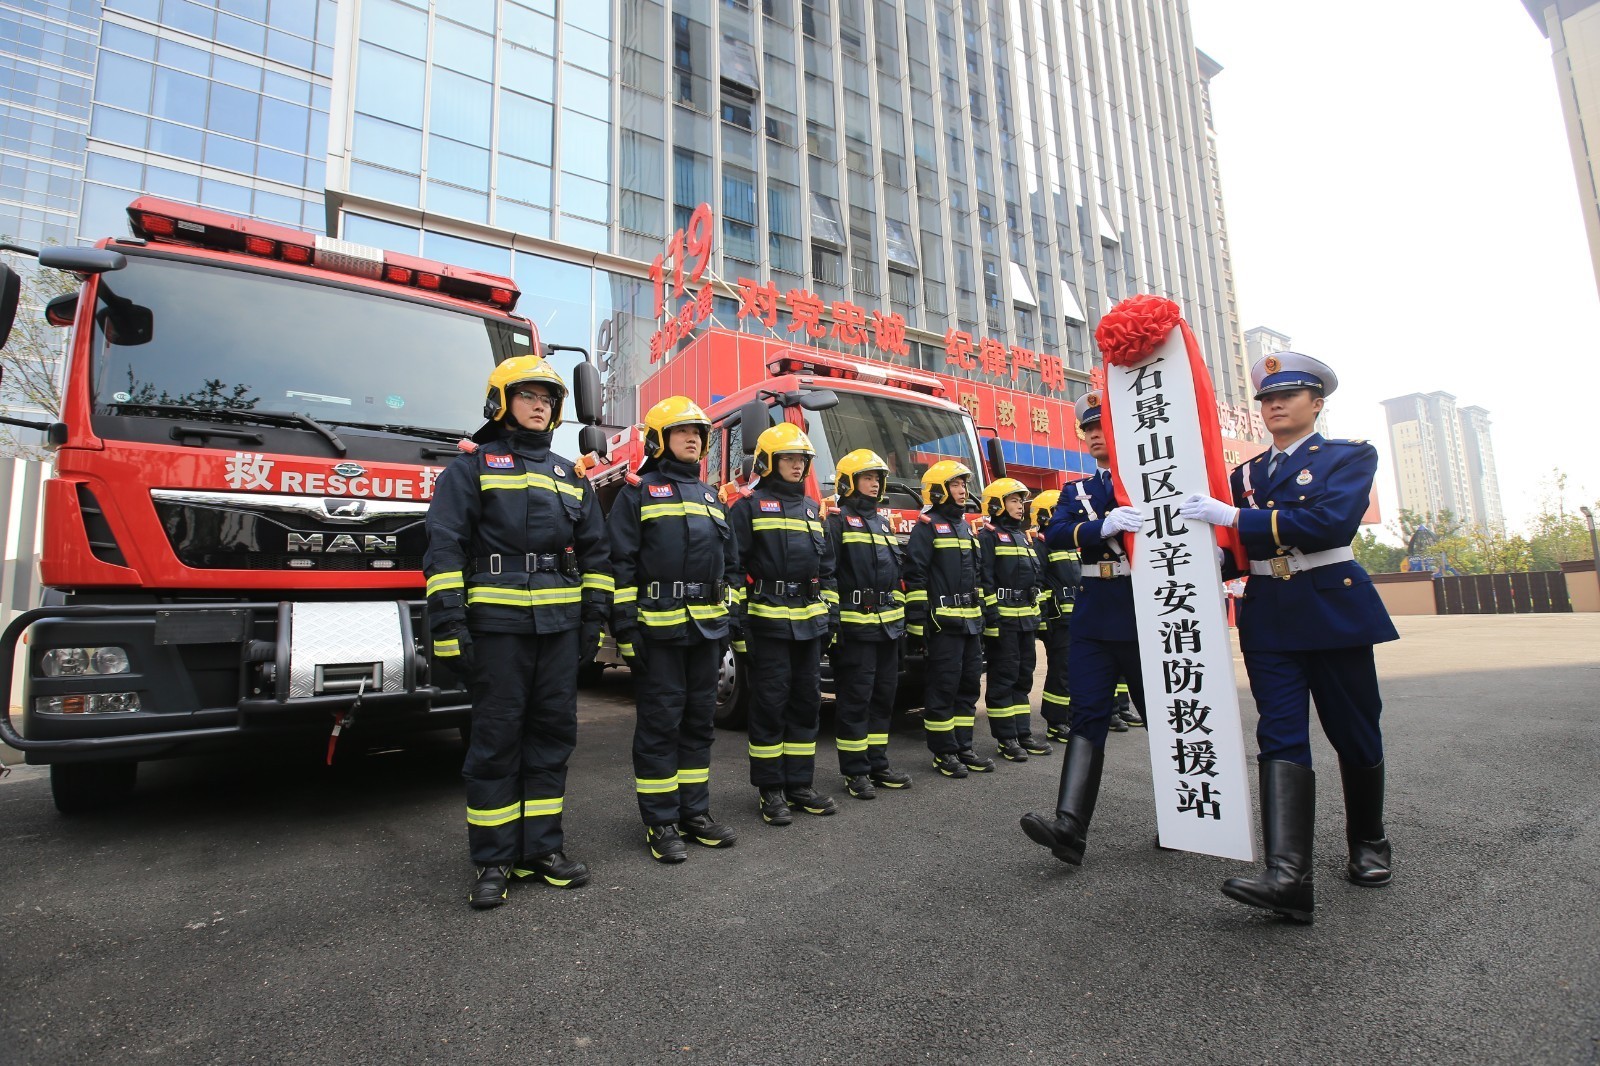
column 76, row 662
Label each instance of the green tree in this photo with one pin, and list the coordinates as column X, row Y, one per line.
column 1558, row 532
column 1375, row 556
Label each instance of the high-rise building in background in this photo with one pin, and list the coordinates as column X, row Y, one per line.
column 1259, row 341
column 1573, row 29
column 1000, row 170
column 1444, row 459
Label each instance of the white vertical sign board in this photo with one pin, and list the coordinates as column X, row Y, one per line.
column 1197, row 753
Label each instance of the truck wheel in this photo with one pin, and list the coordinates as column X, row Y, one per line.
column 84, row 787
column 733, row 689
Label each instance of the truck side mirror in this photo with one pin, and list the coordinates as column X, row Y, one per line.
column 997, row 459
column 754, row 419
column 10, row 296
column 82, row 260
column 62, row 310
column 592, row 439
column 585, row 384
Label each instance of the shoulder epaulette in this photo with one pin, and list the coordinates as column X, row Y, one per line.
column 1352, row 441
column 632, row 478
column 924, row 519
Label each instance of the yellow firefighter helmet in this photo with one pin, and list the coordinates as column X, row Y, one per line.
column 936, row 481
column 1044, row 507
column 785, row 438
column 523, row 370
column 994, row 496
column 666, row 416
column 861, row 461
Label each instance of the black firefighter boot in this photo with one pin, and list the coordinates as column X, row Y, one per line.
column 1363, row 810
column 1288, row 814
column 1067, row 832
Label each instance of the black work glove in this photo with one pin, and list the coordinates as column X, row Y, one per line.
column 916, row 644
column 589, row 639
column 462, row 661
column 627, row 640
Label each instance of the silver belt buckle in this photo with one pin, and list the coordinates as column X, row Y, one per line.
column 1280, row 567
column 494, row 563
column 1108, row 570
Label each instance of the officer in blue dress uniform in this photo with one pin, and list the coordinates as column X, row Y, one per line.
column 1104, row 644
column 1307, row 624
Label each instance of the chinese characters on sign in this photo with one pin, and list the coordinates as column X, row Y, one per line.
column 851, row 325
column 999, row 360
column 1196, row 744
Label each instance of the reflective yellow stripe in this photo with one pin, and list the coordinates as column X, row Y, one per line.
column 808, row 747
column 447, row 647
column 1059, row 701
column 500, row 597
column 445, row 579
column 1122, row 688
column 651, row 511
column 491, row 482
column 739, row 647
column 1008, row 712
column 694, row 777
column 498, row 816
column 797, row 525
column 869, row 538
column 624, row 649
column 878, row 740
column 959, row 612
column 917, row 596
column 736, row 593
column 947, row 542
column 991, row 631
column 830, row 596
column 938, row 727
column 990, row 599
column 850, row 745
column 789, row 614
column 1012, row 549
column 865, row 618
column 914, row 630
column 1062, row 557
column 626, row 595
column 766, row 751
column 542, row 808
column 674, row 617
column 602, row 582
column 655, row 785
column 964, row 722
column 1019, row 612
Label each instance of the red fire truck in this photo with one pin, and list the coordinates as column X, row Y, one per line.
column 842, row 403
column 252, row 421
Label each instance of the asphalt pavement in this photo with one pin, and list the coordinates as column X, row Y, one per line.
column 261, row 908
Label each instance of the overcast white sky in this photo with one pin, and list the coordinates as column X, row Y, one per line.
column 1401, row 202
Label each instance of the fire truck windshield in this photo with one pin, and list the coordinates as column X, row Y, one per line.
column 910, row 436
column 173, row 335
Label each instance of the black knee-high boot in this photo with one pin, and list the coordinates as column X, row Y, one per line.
column 1288, row 815
column 1363, row 809
column 1066, row 832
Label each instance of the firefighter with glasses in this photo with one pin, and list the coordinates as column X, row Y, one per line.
column 872, row 619
column 944, row 618
column 1059, row 567
column 675, row 558
column 791, row 610
column 1009, row 573
column 518, row 584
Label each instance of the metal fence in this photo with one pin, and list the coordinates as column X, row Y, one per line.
column 1539, row 592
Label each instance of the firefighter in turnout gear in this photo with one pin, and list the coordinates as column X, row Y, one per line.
column 518, row 584
column 1059, row 568
column 1009, row 574
column 1105, row 645
column 791, row 609
column 866, row 657
column 675, row 558
column 944, row 617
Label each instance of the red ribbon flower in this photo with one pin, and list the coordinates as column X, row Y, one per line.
column 1135, row 328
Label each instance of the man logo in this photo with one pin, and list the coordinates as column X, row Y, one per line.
column 344, row 544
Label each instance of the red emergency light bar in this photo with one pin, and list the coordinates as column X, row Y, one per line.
column 167, row 222
column 819, row 365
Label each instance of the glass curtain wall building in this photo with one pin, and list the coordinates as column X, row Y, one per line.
column 1003, row 170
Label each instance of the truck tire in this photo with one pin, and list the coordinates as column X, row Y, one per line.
column 733, row 690
column 85, row 787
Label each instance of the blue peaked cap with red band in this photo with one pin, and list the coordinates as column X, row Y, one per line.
column 1088, row 410
column 1283, row 371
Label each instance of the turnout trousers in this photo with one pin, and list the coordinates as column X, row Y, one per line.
column 524, row 728
column 1344, row 683
column 865, row 676
column 676, row 691
column 1095, row 667
column 1055, row 703
column 785, row 703
column 1008, row 693
column 951, row 678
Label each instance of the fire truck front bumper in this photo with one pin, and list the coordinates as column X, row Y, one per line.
column 142, row 681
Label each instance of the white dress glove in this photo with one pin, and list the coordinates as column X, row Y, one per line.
column 1205, row 509
column 1122, row 520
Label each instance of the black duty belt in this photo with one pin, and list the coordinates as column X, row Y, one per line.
column 698, row 591
column 811, row 589
column 871, row 598
column 960, row 599
column 1025, row 597
column 531, row 563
